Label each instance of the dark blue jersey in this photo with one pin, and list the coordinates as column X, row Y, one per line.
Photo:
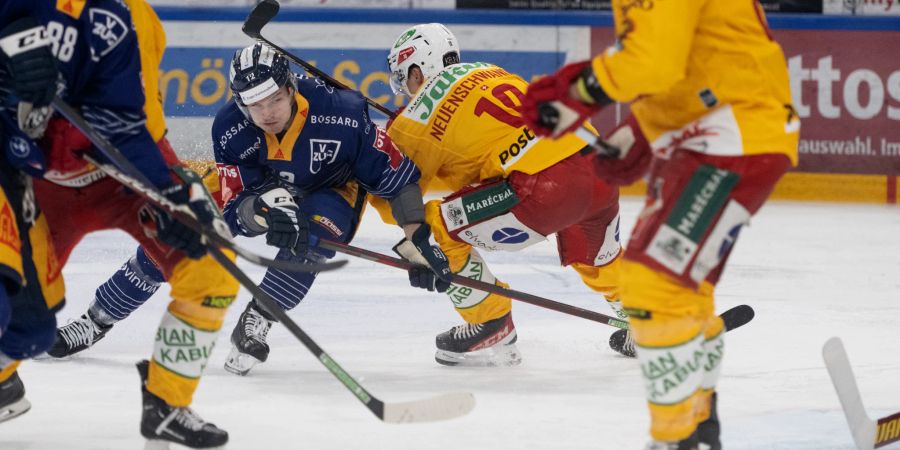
column 329, row 141
column 97, row 53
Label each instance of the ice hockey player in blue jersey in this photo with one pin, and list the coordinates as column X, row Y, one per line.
column 296, row 156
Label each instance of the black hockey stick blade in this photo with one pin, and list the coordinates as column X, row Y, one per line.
column 123, row 171
column 737, row 317
column 262, row 14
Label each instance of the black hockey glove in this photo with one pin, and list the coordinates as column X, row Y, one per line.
column 25, row 53
column 431, row 270
column 286, row 228
column 192, row 194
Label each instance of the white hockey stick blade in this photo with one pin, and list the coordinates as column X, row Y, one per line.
column 861, row 426
column 443, row 407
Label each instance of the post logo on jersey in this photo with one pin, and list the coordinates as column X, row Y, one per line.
column 322, row 151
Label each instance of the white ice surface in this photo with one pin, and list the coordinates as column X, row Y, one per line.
column 811, row 271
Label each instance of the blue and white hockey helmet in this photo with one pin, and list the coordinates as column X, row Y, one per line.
column 257, row 72
column 430, row 46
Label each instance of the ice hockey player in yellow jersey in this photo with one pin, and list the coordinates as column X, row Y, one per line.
column 713, row 129
column 511, row 188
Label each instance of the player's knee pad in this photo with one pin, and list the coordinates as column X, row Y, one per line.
column 202, row 291
column 180, row 353
column 474, row 305
column 646, row 289
column 606, row 280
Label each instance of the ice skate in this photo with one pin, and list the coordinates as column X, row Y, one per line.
column 248, row 340
column 78, row 335
column 708, row 431
column 162, row 424
column 12, row 398
column 492, row 343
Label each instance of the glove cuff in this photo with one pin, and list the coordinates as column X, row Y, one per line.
column 589, row 89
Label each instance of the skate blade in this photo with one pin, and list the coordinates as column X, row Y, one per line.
column 240, row 363
column 14, row 409
column 506, row 355
column 159, row 444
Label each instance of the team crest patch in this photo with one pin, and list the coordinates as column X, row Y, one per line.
column 110, row 30
column 322, row 151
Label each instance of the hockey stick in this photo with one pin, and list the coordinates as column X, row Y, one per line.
column 261, row 15
column 442, row 407
column 266, row 10
column 219, row 235
column 734, row 317
column 867, row 434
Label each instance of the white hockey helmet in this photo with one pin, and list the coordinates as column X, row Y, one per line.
column 430, row 46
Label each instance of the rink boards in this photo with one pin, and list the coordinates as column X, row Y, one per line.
column 845, row 76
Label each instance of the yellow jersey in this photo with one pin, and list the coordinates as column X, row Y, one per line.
column 462, row 127
column 684, row 63
column 152, row 45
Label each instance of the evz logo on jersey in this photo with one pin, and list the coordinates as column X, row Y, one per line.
column 109, row 28
column 322, row 151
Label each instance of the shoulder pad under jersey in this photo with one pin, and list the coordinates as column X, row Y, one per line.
column 235, row 139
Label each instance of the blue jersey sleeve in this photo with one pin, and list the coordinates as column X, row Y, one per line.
column 112, row 101
column 236, row 144
column 380, row 167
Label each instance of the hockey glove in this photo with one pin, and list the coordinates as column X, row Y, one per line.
column 193, row 198
column 548, row 108
column 25, row 53
column 633, row 158
column 285, row 228
column 431, row 269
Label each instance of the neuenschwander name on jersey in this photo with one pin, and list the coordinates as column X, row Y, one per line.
column 433, row 93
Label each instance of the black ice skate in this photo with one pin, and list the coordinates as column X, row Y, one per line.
column 78, row 335
column 622, row 341
column 162, row 424
column 12, row 398
column 483, row 344
column 248, row 340
column 708, row 431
